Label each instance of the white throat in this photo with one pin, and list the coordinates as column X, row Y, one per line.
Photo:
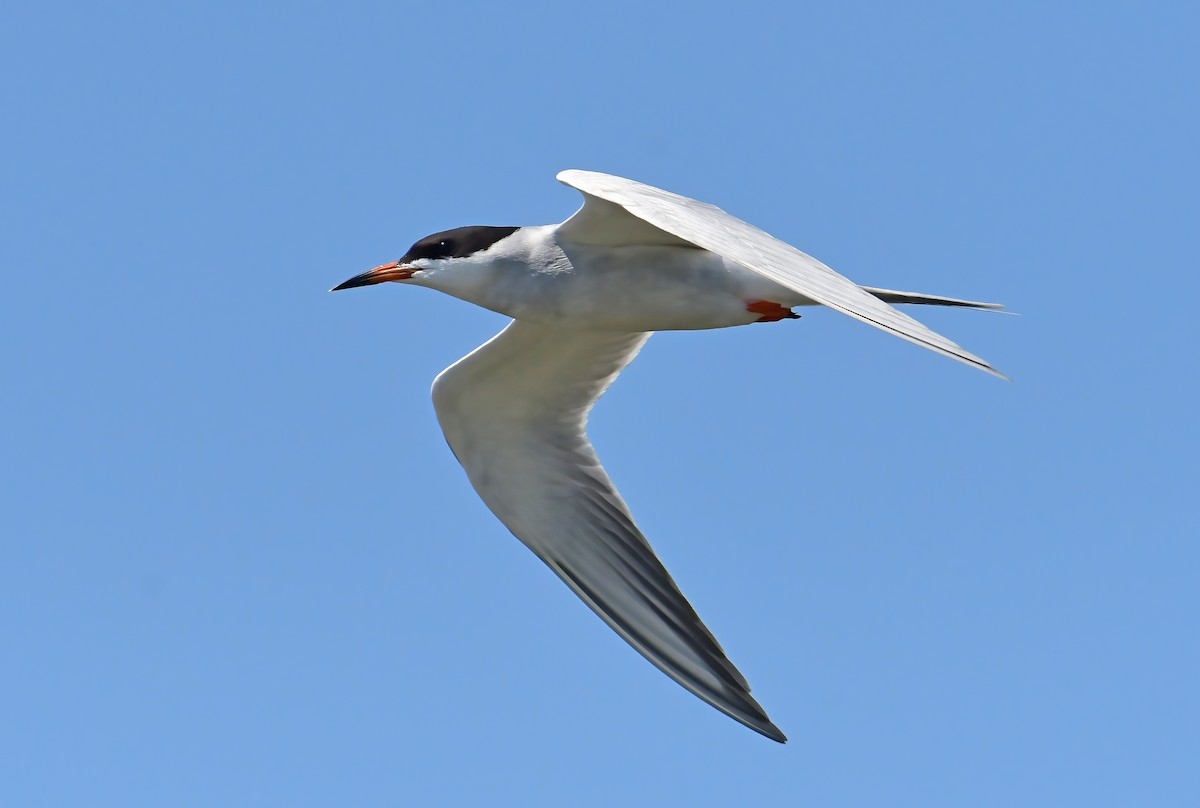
column 502, row 277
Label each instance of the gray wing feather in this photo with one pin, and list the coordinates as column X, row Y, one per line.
column 515, row 413
column 710, row 228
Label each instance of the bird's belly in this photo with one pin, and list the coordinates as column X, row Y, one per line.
column 653, row 289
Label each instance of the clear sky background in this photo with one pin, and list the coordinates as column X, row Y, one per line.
column 238, row 565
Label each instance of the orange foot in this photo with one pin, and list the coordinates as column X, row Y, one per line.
column 771, row 312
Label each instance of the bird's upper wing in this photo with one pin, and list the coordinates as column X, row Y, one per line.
column 619, row 211
column 515, row 412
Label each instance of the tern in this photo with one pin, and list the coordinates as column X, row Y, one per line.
column 584, row 296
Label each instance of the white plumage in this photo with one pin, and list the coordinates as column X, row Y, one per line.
column 585, row 296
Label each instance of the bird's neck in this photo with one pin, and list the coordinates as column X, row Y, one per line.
column 506, row 279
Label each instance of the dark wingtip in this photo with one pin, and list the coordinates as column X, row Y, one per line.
column 774, row 733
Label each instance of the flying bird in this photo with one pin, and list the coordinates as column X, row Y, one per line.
column 584, row 296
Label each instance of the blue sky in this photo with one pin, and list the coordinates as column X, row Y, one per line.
column 238, row 565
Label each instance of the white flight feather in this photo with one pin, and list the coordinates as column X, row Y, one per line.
column 514, row 412
column 654, row 216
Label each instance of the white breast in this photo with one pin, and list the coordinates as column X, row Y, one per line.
column 664, row 288
column 532, row 277
column 655, row 288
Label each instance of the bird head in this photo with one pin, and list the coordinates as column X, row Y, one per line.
column 436, row 252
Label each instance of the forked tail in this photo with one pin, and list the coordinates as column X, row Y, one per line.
column 892, row 296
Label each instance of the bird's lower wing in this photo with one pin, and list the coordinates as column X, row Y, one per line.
column 515, row 413
column 599, row 222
